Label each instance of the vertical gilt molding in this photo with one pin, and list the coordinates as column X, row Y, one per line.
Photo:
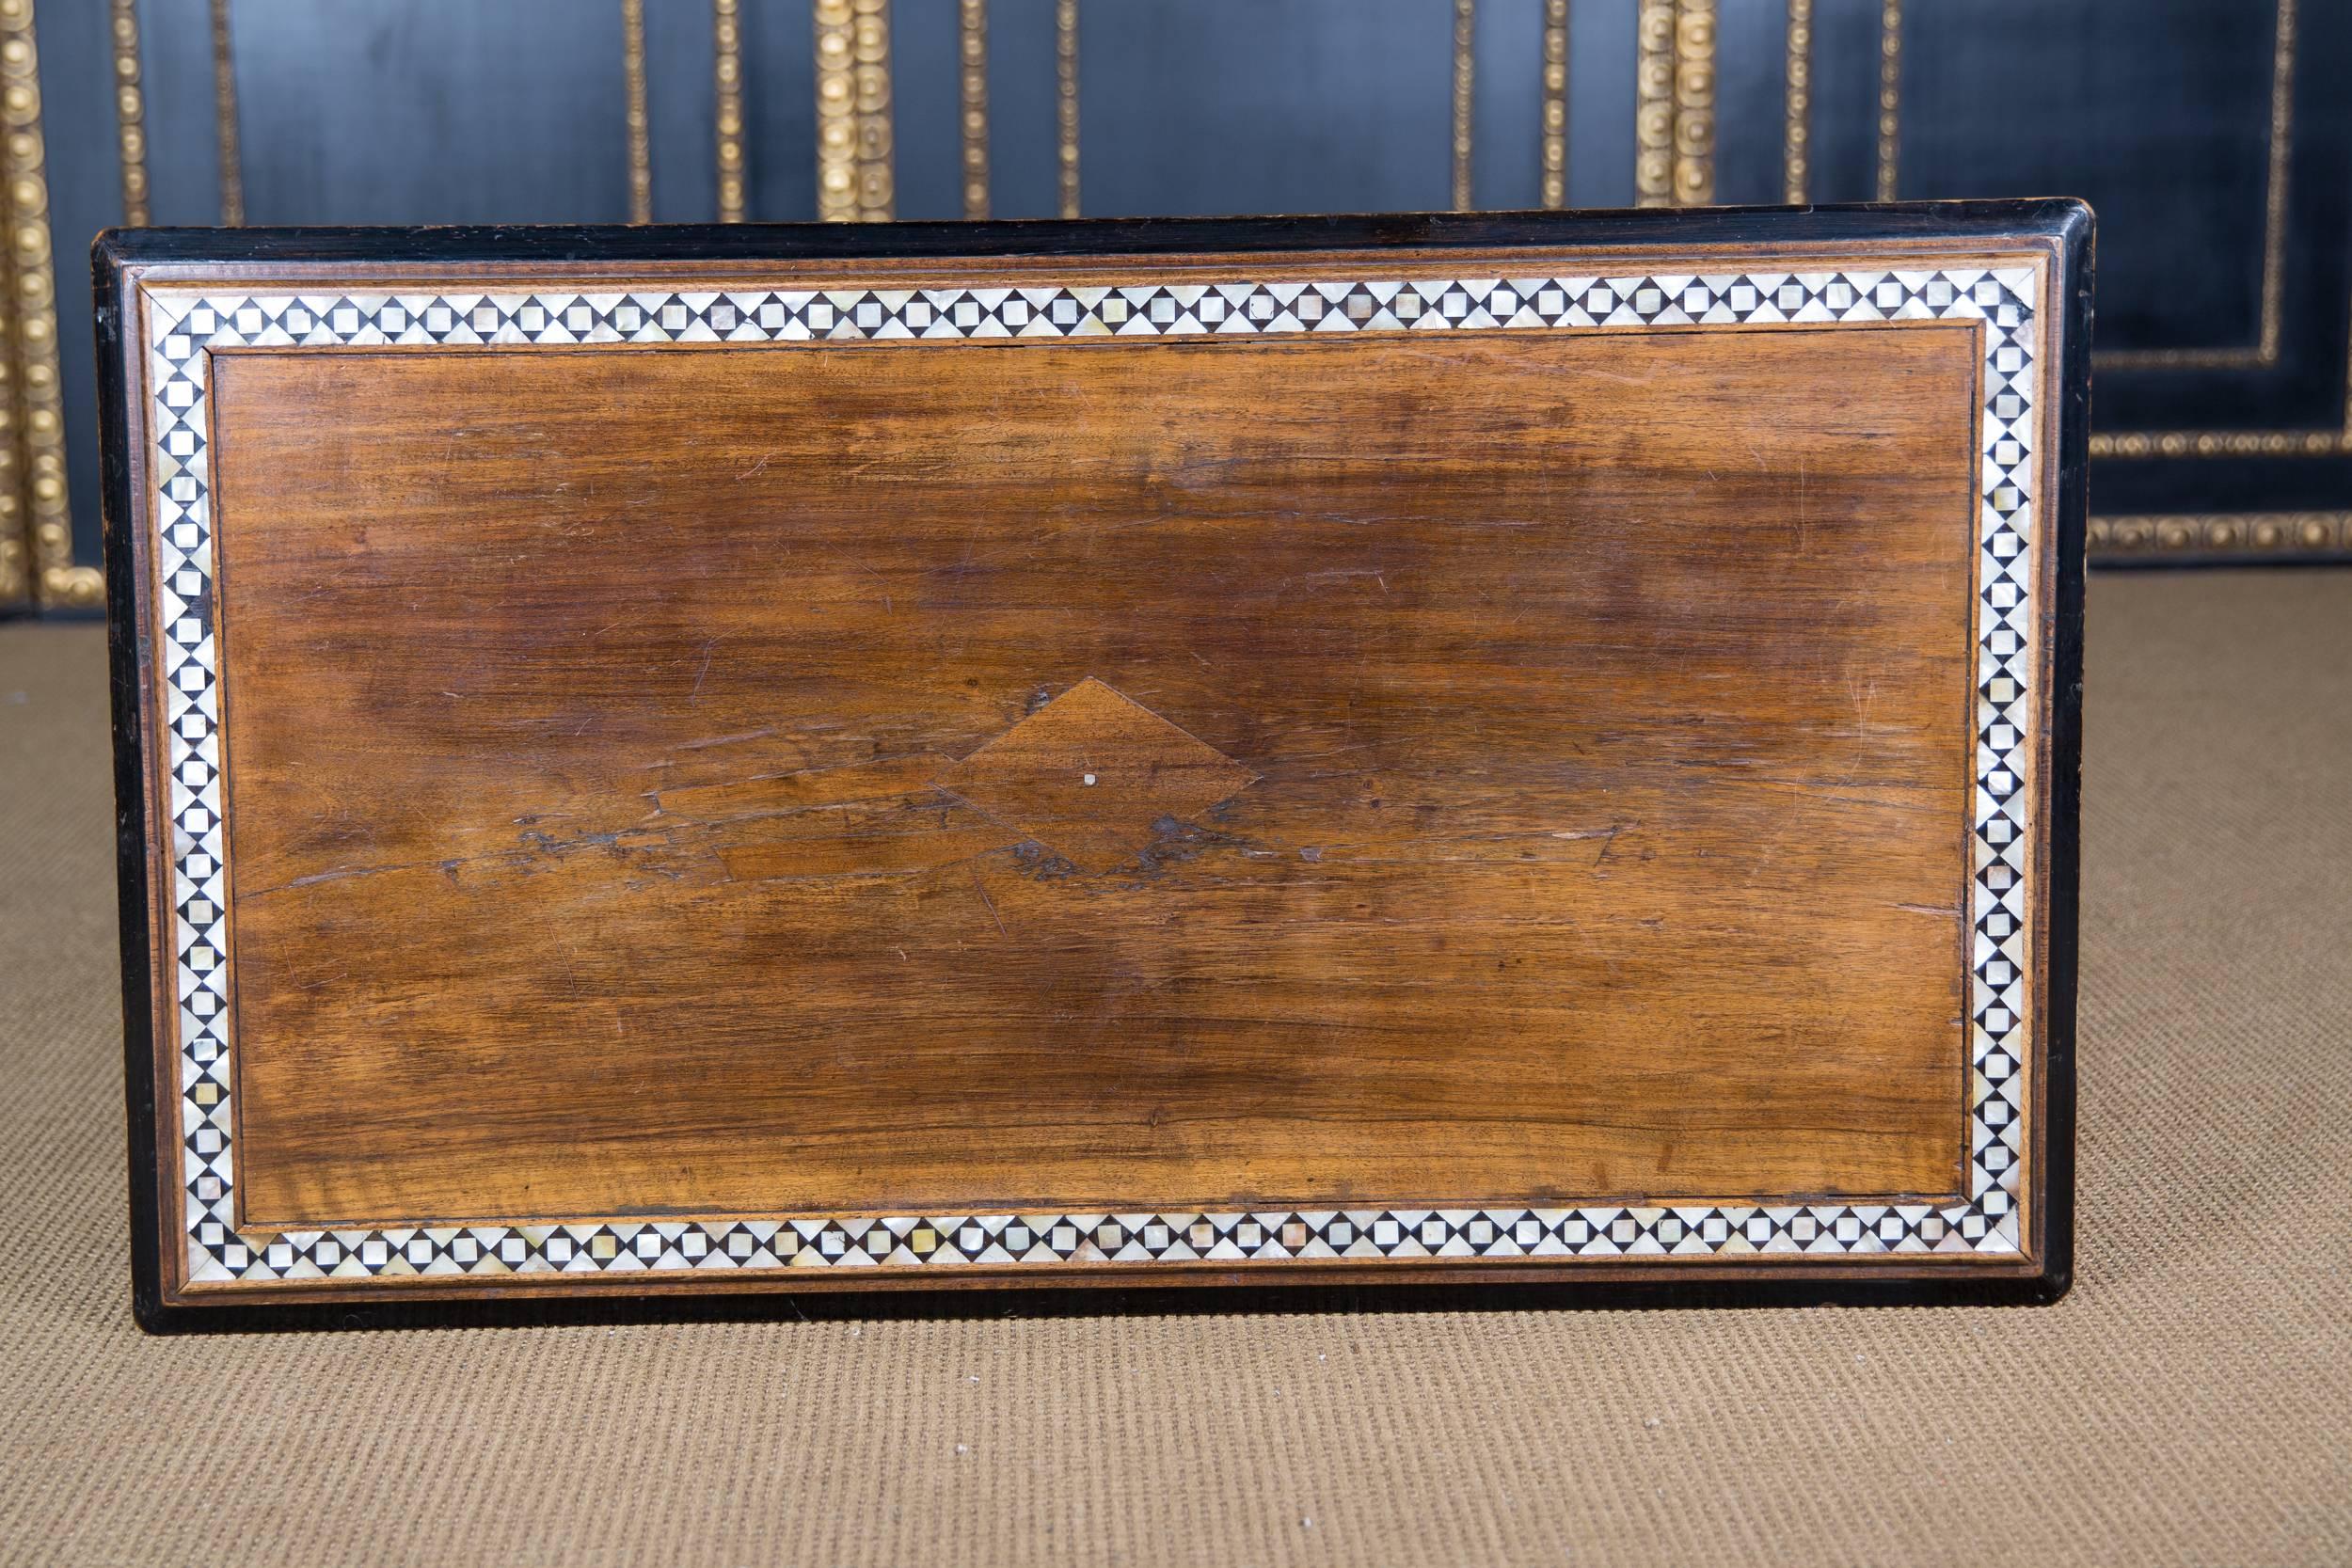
column 2342, row 435
column 1465, row 99
column 726, row 68
column 225, row 119
column 836, row 114
column 16, row 586
column 1694, row 102
column 1797, row 90
column 2263, row 351
column 1555, row 163
column 1890, row 96
column 640, row 126
column 38, row 412
column 2275, row 195
column 972, row 55
column 1653, row 104
column 853, row 135
column 877, row 188
column 1673, row 126
column 130, row 113
column 1066, row 100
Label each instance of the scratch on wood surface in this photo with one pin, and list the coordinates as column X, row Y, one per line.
column 337, row 875
column 981, row 888
column 533, row 846
column 1804, row 518
column 761, row 732
column 1608, row 837
column 711, row 651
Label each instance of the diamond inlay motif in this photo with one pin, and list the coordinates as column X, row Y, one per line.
column 1095, row 776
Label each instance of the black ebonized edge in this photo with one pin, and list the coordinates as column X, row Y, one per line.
column 2065, row 224
column 1087, row 238
column 1097, row 1301
column 128, row 656
column 2072, row 273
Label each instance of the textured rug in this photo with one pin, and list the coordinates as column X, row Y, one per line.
column 2190, row 1401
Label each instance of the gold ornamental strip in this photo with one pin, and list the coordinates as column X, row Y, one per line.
column 225, row 119
column 1465, row 99
column 2228, row 536
column 16, row 584
column 854, row 183
column 972, row 57
column 640, row 126
column 1694, row 102
column 1890, row 97
column 2136, row 444
column 40, row 408
column 130, row 113
column 1653, row 104
column 1555, row 145
column 1674, row 103
column 726, row 70
column 2263, row 351
column 1796, row 137
column 1065, row 102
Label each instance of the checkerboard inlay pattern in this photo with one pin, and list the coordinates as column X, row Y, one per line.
column 184, row 326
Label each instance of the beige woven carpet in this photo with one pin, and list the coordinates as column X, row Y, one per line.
column 2190, row 1403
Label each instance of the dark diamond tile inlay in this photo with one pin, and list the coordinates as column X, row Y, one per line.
column 1092, row 775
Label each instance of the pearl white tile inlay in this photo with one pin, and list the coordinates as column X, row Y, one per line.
column 184, row 326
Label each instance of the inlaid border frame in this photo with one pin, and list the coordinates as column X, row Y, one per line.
column 2050, row 239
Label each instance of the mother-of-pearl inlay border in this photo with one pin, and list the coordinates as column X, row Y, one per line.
column 183, row 325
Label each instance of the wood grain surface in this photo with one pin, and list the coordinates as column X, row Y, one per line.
column 1524, row 766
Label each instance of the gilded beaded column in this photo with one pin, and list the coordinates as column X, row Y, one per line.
column 1694, row 102
column 1066, row 100
column 877, row 187
column 1464, row 98
column 1890, row 95
column 38, row 411
column 1674, row 127
column 726, row 49
column 1796, row 139
column 16, row 583
column 2232, row 537
column 1654, row 104
column 854, row 136
column 1555, row 186
column 836, row 114
column 225, row 119
column 972, row 37
column 640, row 125
column 130, row 113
